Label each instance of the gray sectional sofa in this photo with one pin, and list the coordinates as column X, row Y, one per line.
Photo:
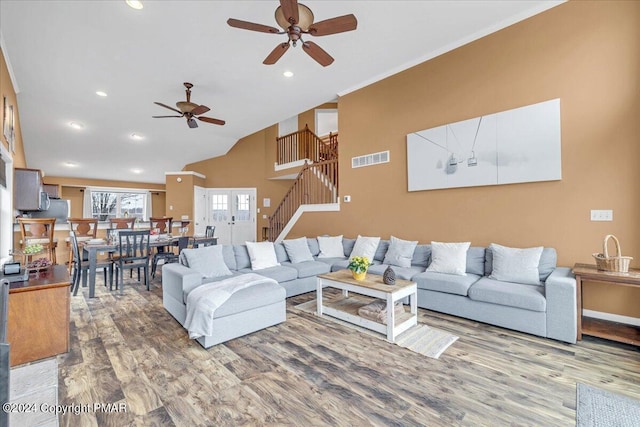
column 547, row 309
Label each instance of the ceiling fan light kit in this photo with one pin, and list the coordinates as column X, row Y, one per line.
column 190, row 110
column 297, row 19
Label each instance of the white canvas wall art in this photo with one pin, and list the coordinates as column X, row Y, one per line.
column 513, row 146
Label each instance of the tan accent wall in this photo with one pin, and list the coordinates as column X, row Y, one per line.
column 585, row 53
column 179, row 200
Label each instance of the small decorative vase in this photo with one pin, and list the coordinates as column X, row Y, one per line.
column 389, row 276
column 359, row 276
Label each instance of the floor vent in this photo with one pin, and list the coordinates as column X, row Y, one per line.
column 370, row 159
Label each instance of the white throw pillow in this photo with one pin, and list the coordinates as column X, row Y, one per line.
column 298, row 250
column 365, row 247
column 450, row 258
column 400, row 252
column 330, row 247
column 208, row 261
column 262, row 254
column 515, row 264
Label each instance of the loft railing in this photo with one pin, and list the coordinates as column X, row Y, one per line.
column 305, row 144
column 317, row 183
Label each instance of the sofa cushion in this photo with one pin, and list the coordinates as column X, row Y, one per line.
column 365, row 247
column 381, row 250
column 278, row 273
column 515, row 264
column 313, row 246
column 281, row 252
column 242, row 257
column 252, row 297
column 262, row 254
column 331, row 261
column 450, row 258
column 229, row 257
column 548, row 262
column 309, row 268
column 330, row 246
column 298, row 250
column 421, row 256
column 510, row 294
column 342, row 264
column 475, row 260
column 405, row 273
column 400, row 252
column 447, row 283
column 208, row 261
column 348, row 245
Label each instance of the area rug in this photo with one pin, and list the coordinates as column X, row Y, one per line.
column 600, row 408
column 422, row 339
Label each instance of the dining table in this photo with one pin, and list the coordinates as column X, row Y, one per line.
column 94, row 248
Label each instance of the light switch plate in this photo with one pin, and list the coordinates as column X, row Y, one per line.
column 347, row 199
column 601, row 215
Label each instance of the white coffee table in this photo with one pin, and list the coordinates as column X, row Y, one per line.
column 346, row 308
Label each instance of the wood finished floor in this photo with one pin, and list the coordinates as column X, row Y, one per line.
column 311, row 371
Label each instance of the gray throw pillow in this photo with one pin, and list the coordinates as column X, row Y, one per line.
column 207, row 260
column 400, row 252
column 298, row 250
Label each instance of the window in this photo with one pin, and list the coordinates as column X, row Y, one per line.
column 116, row 204
column 219, row 207
column 242, row 211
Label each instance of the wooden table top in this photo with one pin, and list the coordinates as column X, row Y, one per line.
column 589, row 271
column 54, row 276
column 373, row 281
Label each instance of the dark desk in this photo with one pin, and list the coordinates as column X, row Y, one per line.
column 38, row 318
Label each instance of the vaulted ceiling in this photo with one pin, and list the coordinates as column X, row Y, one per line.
column 62, row 52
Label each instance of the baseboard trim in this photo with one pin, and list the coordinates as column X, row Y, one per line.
column 612, row 317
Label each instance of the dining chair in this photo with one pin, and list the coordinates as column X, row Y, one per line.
column 210, row 230
column 122, row 223
column 183, row 243
column 85, row 229
column 134, row 253
column 81, row 265
column 164, row 224
column 39, row 231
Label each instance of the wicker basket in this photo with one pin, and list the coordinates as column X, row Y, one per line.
column 616, row 263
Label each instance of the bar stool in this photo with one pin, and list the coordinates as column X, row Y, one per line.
column 85, row 229
column 39, row 231
column 122, row 223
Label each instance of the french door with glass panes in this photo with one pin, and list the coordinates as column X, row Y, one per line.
column 232, row 211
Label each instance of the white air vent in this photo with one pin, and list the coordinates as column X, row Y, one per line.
column 370, row 159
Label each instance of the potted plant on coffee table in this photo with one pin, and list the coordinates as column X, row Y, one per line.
column 358, row 266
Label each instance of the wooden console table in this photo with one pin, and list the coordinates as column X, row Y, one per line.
column 603, row 328
column 38, row 318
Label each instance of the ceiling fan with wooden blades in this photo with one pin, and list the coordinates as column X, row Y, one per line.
column 296, row 19
column 190, row 110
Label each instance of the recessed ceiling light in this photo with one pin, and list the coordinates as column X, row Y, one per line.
column 70, row 164
column 101, row 93
column 137, row 171
column 288, row 73
column 76, row 125
column 136, row 136
column 134, row 4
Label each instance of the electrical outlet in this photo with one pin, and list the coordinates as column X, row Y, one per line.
column 601, row 215
column 264, row 217
column 347, row 199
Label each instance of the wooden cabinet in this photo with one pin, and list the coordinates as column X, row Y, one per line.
column 52, row 190
column 38, row 318
column 28, row 189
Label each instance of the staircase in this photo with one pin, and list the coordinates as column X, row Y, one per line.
column 316, row 186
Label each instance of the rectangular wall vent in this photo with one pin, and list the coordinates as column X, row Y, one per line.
column 370, row 159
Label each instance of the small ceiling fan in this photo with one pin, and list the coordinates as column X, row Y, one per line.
column 297, row 19
column 190, row 110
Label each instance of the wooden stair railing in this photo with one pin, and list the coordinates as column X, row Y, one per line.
column 305, row 144
column 317, row 183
